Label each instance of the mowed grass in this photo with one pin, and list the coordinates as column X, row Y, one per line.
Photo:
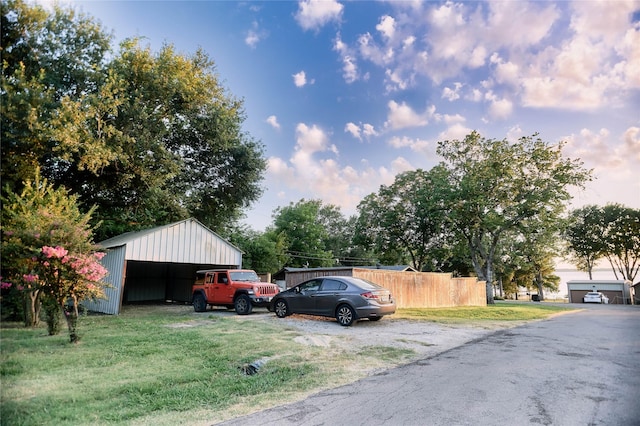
column 166, row 365
column 500, row 311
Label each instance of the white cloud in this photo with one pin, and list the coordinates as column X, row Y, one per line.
column 402, row 116
column 273, row 121
column 614, row 160
column 254, row 36
column 417, row 145
column 456, row 131
column 452, row 94
column 353, row 129
column 300, row 79
column 368, row 130
column 499, row 108
column 311, row 171
column 357, row 131
column 349, row 64
column 387, row 26
column 313, row 14
column 631, row 139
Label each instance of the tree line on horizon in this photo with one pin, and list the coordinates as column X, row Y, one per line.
column 141, row 139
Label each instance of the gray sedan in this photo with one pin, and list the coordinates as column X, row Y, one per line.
column 346, row 298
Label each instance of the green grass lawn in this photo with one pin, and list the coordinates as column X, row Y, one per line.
column 501, row 311
column 158, row 365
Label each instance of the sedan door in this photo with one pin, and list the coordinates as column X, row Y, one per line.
column 327, row 298
column 303, row 300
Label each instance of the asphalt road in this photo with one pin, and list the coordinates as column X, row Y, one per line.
column 580, row 368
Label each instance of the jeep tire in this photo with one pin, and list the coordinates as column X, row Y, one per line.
column 243, row 305
column 199, row 303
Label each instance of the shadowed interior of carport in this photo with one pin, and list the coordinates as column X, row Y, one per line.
column 160, row 281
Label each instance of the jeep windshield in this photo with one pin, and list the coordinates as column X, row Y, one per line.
column 248, row 276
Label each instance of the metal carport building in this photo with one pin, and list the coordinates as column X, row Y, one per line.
column 160, row 264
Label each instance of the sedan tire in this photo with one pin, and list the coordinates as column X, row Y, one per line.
column 345, row 315
column 281, row 309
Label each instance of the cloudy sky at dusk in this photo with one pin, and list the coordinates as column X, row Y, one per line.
column 346, row 94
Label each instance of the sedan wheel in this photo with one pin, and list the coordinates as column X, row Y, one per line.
column 345, row 315
column 281, row 309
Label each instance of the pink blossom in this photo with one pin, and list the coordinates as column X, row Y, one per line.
column 4, row 285
column 8, row 233
column 99, row 254
column 58, row 252
column 20, row 287
column 30, row 278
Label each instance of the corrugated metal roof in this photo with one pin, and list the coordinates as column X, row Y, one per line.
column 187, row 241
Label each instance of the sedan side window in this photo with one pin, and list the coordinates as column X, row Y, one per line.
column 310, row 286
column 333, row 285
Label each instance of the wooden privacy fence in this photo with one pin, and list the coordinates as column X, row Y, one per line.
column 409, row 289
column 427, row 289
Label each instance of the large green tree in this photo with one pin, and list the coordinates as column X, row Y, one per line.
column 303, row 226
column 46, row 57
column 622, row 240
column 585, row 237
column 405, row 222
column 611, row 232
column 495, row 186
column 147, row 137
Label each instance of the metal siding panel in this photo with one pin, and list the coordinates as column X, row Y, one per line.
column 114, row 262
column 184, row 242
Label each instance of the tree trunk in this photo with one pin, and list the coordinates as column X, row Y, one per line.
column 539, row 284
column 32, row 308
column 71, row 315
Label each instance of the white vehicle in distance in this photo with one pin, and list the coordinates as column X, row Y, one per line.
column 595, row 297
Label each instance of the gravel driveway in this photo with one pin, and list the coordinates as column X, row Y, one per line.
column 423, row 337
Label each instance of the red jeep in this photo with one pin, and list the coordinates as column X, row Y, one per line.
column 238, row 289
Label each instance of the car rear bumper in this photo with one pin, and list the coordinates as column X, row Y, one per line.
column 375, row 310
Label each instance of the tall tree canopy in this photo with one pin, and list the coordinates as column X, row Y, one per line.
column 497, row 186
column 611, row 232
column 405, row 222
column 584, row 235
column 303, row 227
column 622, row 239
column 145, row 137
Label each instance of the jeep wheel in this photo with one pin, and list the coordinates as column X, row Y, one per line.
column 243, row 305
column 345, row 315
column 199, row 303
column 281, row 308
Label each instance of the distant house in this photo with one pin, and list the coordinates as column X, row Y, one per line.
column 618, row 291
column 160, row 264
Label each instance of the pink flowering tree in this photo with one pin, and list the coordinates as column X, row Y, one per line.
column 66, row 279
column 48, row 257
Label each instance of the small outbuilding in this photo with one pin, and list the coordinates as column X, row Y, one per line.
column 618, row 291
column 160, row 264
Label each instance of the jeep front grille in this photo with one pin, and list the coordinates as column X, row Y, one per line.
column 267, row 289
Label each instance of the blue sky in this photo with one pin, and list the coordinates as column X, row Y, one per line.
column 346, row 94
